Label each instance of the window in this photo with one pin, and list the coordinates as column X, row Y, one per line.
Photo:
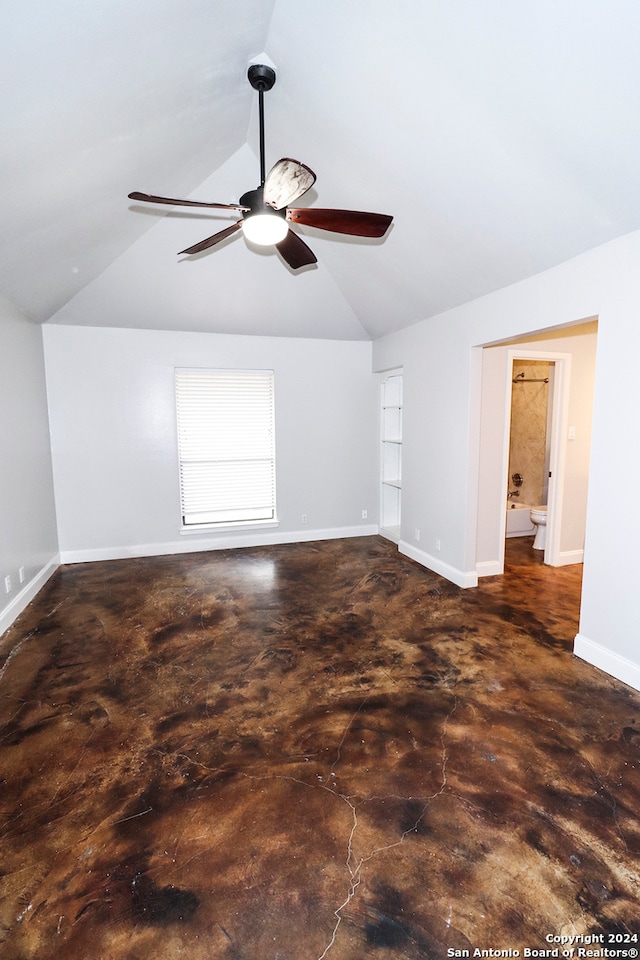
column 226, row 446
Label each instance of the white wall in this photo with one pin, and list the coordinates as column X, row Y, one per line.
column 496, row 374
column 28, row 537
column 111, row 399
column 442, row 433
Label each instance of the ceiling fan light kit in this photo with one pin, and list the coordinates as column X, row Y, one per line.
column 264, row 229
column 262, row 224
column 266, row 212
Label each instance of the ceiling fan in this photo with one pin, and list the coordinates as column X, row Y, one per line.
column 266, row 211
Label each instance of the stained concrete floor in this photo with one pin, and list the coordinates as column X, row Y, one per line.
column 310, row 751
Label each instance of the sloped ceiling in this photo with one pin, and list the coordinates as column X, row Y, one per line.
column 503, row 137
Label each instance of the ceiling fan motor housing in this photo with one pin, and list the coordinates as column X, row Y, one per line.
column 254, row 199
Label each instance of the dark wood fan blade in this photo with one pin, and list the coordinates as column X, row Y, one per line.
column 216, row 238
column 287, row 181
column 354, row 222
column 151, row 198
column 295, row 251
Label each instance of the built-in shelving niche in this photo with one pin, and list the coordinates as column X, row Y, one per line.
column 391, row 455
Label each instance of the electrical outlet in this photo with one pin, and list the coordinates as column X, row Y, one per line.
column 416, row 535
column 7, row 584
column 438, row 544
column 304, row 518
column 21, row 575
column 364, row 514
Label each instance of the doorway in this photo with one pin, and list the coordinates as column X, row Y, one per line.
column 571, row 353
column 533, row 455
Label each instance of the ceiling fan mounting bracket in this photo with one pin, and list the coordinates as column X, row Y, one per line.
column 261, row 77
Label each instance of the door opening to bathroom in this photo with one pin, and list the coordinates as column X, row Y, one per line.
column 530, row 433
column 534, row 455
column 561, row 442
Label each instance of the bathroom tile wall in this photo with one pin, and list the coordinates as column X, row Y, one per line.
column 528, row 440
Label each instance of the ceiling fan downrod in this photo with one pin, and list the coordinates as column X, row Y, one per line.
column 261, row 77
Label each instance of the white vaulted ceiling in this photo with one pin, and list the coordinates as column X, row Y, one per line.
column 503, row 137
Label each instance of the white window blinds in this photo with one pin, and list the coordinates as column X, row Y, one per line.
column 226, row 445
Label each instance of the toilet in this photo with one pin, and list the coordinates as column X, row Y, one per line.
column 539, row 520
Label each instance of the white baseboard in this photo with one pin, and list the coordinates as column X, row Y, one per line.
column 28, row 592
column 612, row 663
column 569, row 557
column 459, row 577
column 228, row 541
column 489, row 568
column 493, row 568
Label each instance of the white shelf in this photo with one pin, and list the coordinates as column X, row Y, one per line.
column 391, row 456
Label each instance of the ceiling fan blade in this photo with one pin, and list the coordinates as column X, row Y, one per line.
column 286, row 181
column 151, row 198
column 354, row 222
column 295, row 251
column 216, row 238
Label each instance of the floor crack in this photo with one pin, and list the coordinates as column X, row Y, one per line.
column 354, row 869
column 355, row 872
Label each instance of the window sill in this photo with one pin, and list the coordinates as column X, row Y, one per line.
column 240, row 525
